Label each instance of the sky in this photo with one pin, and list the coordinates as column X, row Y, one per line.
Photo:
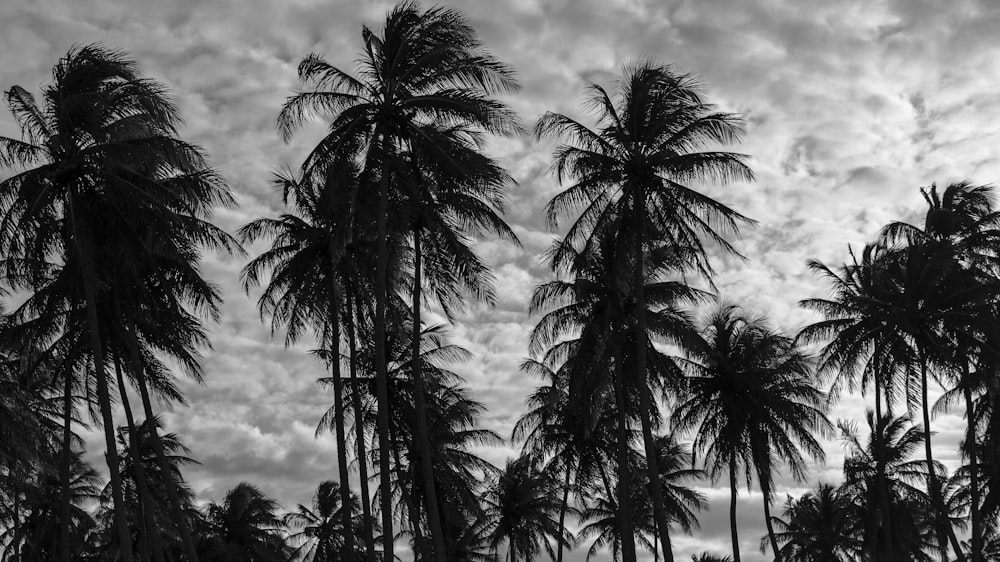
column 850, row 106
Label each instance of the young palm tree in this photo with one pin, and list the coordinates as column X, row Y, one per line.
column 911, row 512
column 320, row 537
column 425, row 67
column 819, row 526
column 245, row 526
column 631, row 178
column 523, row 509
column 751, row 404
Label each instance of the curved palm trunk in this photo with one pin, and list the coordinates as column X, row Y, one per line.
column 882, row 491
column 562, row 513
column 420, row 411
column 64, row 549
column 381, row 368
column 150, row 537
column 971, row 445
column 338, row 414
column 103, row 396
column 625, row 525
column 934, row 485
column 173, row 498
column 652, row 468
column 770, row 525
column 359, row 429
column 732, row 508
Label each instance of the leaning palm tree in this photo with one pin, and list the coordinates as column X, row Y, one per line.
column 101, row 167
column 751, row 404
column 523, row 509
column 632, row 178
column 819, row 526
column 425, row 67
column 245, row 526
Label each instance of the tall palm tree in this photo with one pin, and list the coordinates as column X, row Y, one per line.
column 819, row 526
column 962, row 222
column 631, row 179
column 103, row 173
column 425, row 67
column 751, row 404
column 245, row 526
column 859, row 335
column 523, row 509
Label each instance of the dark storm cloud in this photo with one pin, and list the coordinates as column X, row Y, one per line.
column 850, row 107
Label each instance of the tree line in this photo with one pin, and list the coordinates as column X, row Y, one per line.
column 648, row 380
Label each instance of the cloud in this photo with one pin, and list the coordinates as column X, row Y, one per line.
column 850, row 106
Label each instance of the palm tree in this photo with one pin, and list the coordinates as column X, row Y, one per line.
column 37, row 533
column 523, row 509
column 751, row 404
column 426, row 67
column 631, row 179
column 961, row 222
column 910, row 508
column 245, row 526
column 859, row 333
column 322, row 538
column 104, row 176
column 819, row 526
column 710, row 557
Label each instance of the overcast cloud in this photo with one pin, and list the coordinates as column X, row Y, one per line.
column 851, row 106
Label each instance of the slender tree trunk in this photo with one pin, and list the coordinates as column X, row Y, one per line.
column 103, row 397
column 971, row 445
column 359, row 430
column 732, row 508
column 648, row 410
column 420, row 411
column 934, row 486
column 412, row 509
column 653, row 474
column 338, row 414
column 64, row 507
column 173, row 497
column 15, row 522
column 381, row 368
column 770, row 526
column 562, row 513
column 625, row 525
column 149, row 540
column 882, row 491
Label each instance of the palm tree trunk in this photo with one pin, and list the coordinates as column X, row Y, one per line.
column 882, row 491
column 562, row 513
column 420, row 411
column 971, row 445
column 732, row 508
column 770, row 526
column 359, row 430
column 652, row 468
column 103, row 397
column 173, row 498
column 381, row 368
column 150, row 537
column 653, row 474
column 625, row 526
column 338, row 414
column 934, row 486
column 64, row 509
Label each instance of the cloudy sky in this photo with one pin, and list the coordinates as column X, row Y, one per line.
column 850, row 106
